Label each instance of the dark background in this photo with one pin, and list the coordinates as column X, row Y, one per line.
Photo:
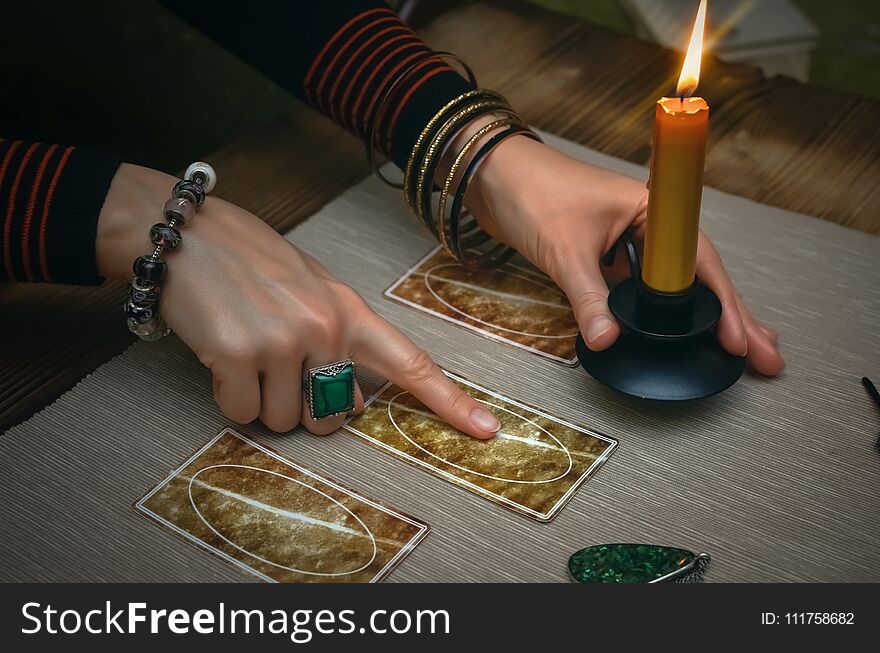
column 129, row 77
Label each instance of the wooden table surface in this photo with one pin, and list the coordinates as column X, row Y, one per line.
column 777, row 141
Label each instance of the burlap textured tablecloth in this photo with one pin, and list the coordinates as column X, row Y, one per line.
column 777, row 479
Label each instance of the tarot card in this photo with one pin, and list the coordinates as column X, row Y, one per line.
column 275, row 519
column 533, row 466
column 514, row 303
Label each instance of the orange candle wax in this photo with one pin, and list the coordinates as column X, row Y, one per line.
column 676, row 189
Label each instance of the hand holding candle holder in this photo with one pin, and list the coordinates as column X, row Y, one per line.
column 667, row 349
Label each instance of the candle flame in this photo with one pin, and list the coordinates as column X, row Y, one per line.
column 690, row 71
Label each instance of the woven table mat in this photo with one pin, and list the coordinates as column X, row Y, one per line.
column 777, row 479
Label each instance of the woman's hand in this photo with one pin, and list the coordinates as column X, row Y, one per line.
column 563, row 214
column 259, row 313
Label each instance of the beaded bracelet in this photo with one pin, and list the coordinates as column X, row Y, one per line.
column 142, row 306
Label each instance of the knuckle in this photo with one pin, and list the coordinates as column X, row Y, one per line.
column 230, row 351
column 729, row 305
column 589, row 301
column 458, row 402
column 347, row 294
column 325, row 312
column 349, row 302
column 552, row 253
column 327, row 322
column 368, row 326
column 321, row 326
column 707, row 254
column 420, row 368
column 641, row 211
column 280, row 341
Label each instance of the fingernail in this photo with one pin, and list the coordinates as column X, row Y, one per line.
column 484, row 420
column 598, row 327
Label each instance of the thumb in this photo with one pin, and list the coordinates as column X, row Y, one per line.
column 587, row 292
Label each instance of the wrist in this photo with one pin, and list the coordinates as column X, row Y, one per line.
column 456, row 144
column 493, row 194
column 492, row 179
column 133, row 204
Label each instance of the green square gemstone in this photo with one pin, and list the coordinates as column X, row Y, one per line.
column 333, row 393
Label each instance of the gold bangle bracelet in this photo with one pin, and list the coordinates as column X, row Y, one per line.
column 438, row 117
column 453, row 170
column 418, row 198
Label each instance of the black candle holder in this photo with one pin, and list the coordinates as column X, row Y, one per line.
column 667, row 349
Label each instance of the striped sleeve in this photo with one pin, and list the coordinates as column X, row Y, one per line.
column 50, row 199
column 341, row 56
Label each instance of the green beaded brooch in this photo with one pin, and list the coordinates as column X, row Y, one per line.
column 637, row 563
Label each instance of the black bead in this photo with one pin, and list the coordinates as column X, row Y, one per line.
column 140, row 314
column 143, row 293
column 190, row 190
column 147, row 268
column 142, row 298
column 162, row 234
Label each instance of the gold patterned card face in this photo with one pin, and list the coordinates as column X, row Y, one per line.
column 275, row 519
column 533, row 466
column 515, row 304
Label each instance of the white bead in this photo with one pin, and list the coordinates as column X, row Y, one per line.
column 205, row 169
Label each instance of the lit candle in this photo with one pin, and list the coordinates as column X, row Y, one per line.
column 676, row 186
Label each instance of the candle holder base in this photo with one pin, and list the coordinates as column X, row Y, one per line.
column 667, row 349
column 675, row 371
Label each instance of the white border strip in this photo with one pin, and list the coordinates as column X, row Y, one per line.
column 457, row 480
column 389, row 294
column 409, row 546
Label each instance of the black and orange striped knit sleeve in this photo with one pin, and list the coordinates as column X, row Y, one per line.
column 340, row 56
column 50, row 198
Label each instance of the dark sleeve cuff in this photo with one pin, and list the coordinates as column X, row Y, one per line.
column 73, row 219
column 53, row 196
column 423, row 104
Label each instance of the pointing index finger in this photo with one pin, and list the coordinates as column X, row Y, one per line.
column 389, row 352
